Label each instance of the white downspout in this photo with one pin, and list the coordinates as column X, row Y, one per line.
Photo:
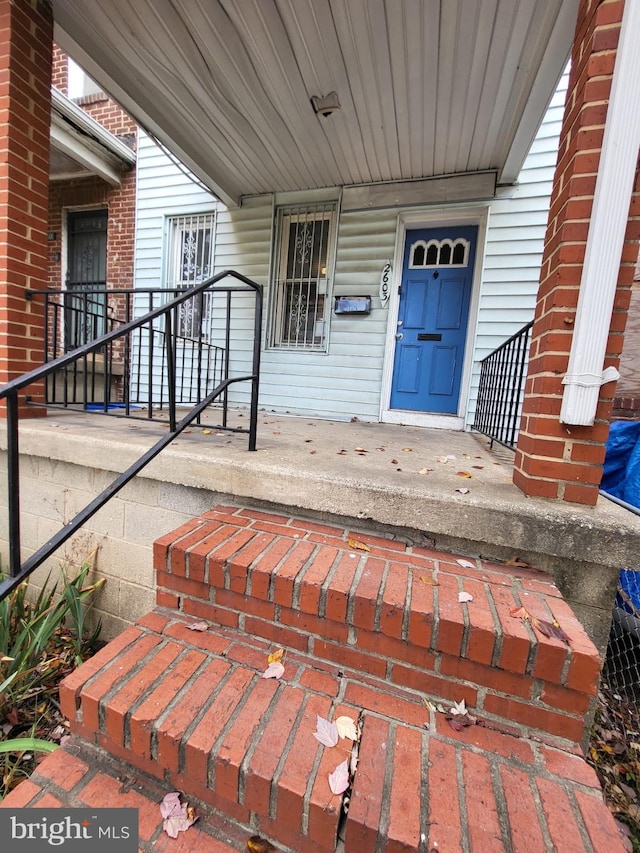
column 614, row 186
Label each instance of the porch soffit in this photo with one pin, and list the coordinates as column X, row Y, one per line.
column 427, row 88
column 80, row 146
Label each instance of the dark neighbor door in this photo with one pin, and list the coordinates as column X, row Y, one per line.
column 86, row 272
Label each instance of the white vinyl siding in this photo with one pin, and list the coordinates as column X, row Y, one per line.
column 514, row 245
column 345, row 378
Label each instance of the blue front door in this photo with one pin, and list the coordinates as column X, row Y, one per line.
column 437, row 277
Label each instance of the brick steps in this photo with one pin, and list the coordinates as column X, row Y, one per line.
column 80, row 775
column 177, row 709
column 371, row 628
column 390, row 612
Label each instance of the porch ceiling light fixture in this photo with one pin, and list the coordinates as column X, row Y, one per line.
column 325, row 104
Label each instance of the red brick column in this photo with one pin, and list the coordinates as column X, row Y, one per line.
column 553, row 459
column 26, row 32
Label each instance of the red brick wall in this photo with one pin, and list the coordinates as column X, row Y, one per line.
column 557, row 460
column 93, row 193
column 25, row 70
column 60, row 70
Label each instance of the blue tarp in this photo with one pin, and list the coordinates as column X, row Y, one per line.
column 621, row 476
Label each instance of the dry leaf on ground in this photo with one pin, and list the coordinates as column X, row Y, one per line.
column 466, row 564
column 339, row 779
column 276, row 656
column 463, row 491
column 326, row 732
column 459, row 708
column 464, row 597
column 346, row 727
column 426, row 579
column 549, row 629
column 198, row 626
column 357, row 545
column 256, row 844
column 517, row 562
column 274, row 670
column 178, row 817
column 463, row 474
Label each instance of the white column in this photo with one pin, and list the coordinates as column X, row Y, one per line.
column 614, row 186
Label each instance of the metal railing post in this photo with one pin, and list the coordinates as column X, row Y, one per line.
column 13, row 484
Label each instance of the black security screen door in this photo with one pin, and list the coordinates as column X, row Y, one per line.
column 86, row 273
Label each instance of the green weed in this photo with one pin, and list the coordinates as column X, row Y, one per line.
column 43, row 637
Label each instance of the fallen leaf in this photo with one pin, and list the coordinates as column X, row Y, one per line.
column 466, row 564
column 326, row 732
column 360, row 450
column 394, row 461
column 517, row 562
column 341, row 453
column 464, row 597
column 256, row 844
column 198, row 626
column 460, row 723
column 459, row 708
column 206, row 432
column 312, row 452
column 177, row 817
column 519, row 613
column 339, row 779
column 426, row 470
column 276, row 656
column 463, row 491
column 274, row 670
column 463, row 474
column 357, row 545
column 478, row 467
column 429, row 580
column 407, row 449
column 346, row 728
column 551, row 629
column 355, row 420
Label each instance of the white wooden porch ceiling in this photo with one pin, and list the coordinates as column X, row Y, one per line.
column 427, row 87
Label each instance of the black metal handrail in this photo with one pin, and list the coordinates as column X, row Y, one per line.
column 129, row 375
column 164, row 321
column 501, row 389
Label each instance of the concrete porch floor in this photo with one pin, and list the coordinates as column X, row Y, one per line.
column 384, row 476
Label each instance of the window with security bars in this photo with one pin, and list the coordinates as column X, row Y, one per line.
column 189, row 263
column 301, row 287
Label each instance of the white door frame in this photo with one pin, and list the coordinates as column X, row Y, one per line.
column 430, row 218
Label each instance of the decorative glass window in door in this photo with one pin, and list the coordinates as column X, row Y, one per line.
column 439, row 253
column 189, row 263
column 300, row 295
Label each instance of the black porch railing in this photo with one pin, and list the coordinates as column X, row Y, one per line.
column 501, row 389
column 134, row 373
column 153, row 382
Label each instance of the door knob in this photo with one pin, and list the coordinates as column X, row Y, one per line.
column 399, row 336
